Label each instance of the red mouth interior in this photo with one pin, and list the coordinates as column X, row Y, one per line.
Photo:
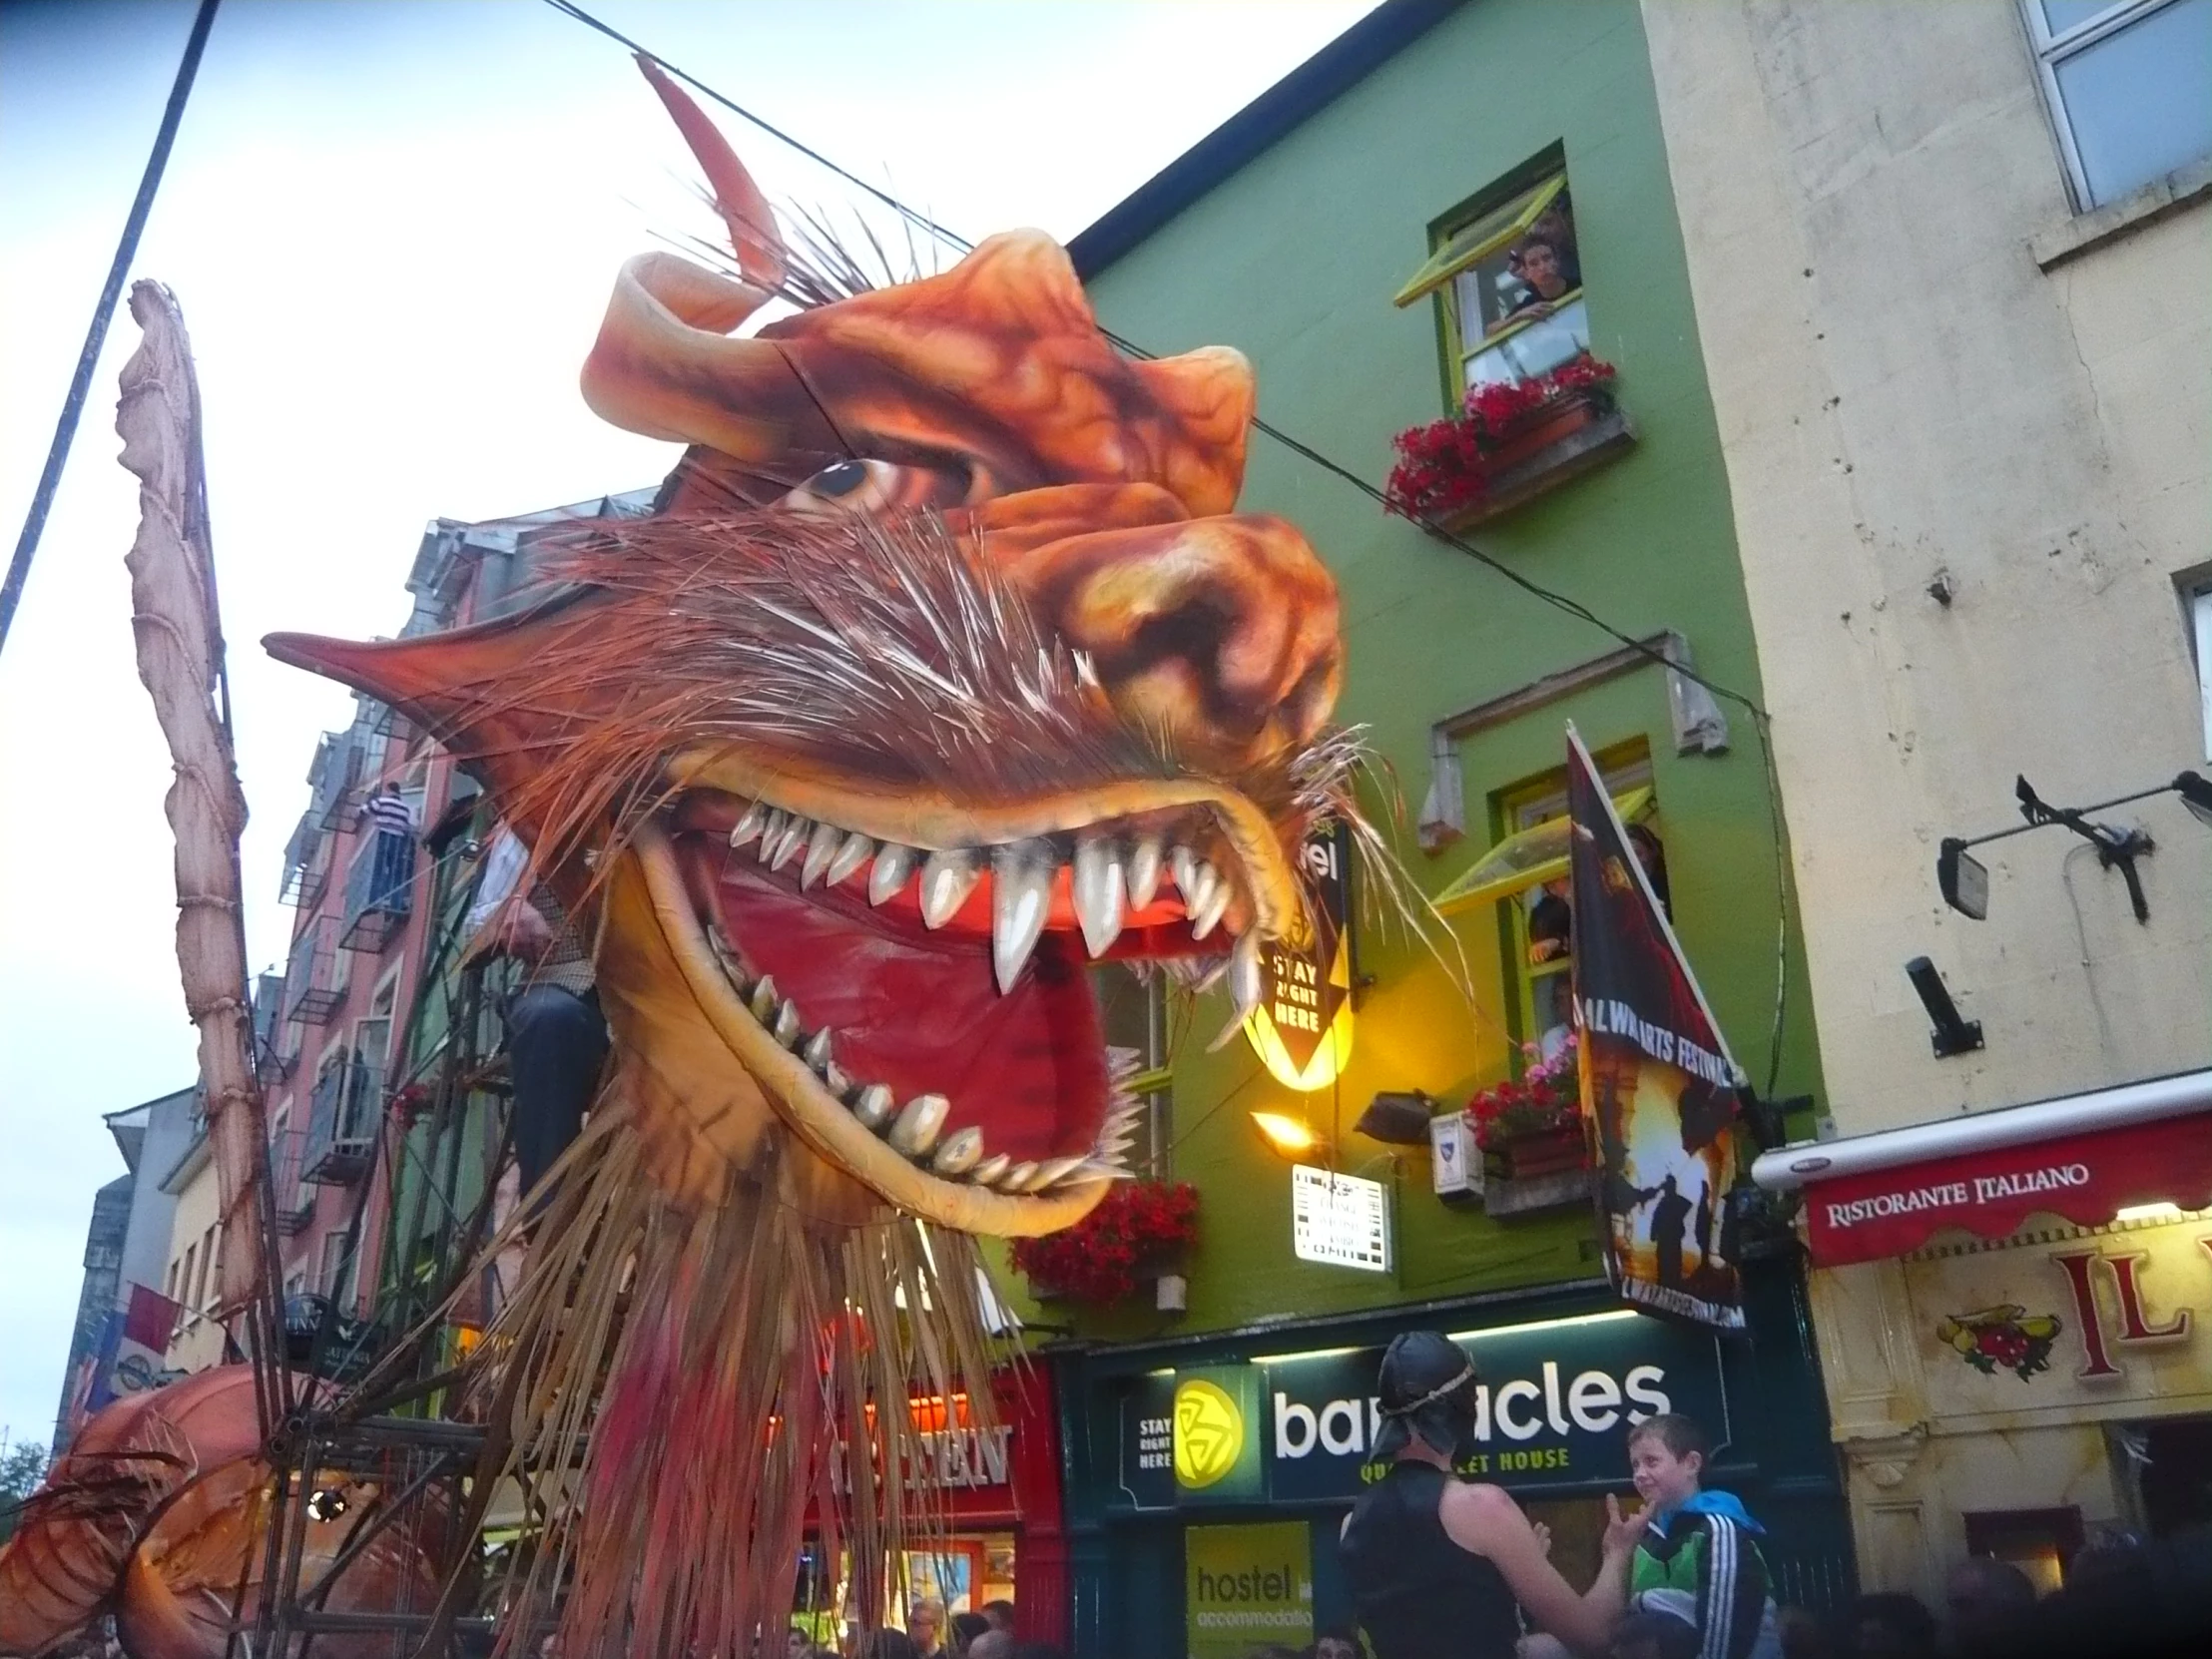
column 920, row 1012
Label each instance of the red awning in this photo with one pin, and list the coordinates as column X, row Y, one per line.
column 2083, row 1158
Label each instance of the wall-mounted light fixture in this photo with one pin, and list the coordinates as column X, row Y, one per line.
column 1965, row 882
column 1291, row 1137
column 1397, row 1117
column 1953, row 1034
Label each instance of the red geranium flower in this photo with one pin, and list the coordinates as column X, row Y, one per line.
column 1097, row 1259
column 1447, row 466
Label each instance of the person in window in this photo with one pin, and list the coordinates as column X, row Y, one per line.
column 388, row 817
column 1545, row 264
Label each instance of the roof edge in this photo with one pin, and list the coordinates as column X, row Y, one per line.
column 1254, row 129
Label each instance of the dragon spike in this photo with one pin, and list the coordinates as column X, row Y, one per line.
column 753, row 236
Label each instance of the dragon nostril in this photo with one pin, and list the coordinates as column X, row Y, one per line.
column 1220, row 633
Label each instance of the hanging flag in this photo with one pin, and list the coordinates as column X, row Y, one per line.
column 1658, row 1081
column 134, row 1347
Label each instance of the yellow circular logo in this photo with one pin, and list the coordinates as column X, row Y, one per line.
column 1209, row 1433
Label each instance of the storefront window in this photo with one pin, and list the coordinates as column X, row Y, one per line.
column 2038, row 1541
column 1133, row 1013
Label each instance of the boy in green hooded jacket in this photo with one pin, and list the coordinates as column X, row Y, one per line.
column 1699, row 1559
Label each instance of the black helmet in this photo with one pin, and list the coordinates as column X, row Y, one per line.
column 1427, row 1385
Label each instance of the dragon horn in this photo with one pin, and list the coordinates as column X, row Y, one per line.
column 752, row 233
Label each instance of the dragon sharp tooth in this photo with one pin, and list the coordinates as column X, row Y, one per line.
column 914, row 1131
column 1214, row 907
column 787, row 1028
column 961, row 1152
column 833, row 1078
column 853, row 852
column 1053, row 1170
column 1016, row 1179
column 987, row 1173
column 1021, row 893
column 821, row 846
column 1145, row 863
column 765, row 999
column 946, row 880
column 873, row 1106
column 817, row 1051
column 893, row 865
column 750, row 824
column 1244, row 987
column 789, row 844
column 1183, row 865
column 1098, row 890
column 772, row 833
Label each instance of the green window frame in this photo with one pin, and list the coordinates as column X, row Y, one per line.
column 1462, row 244
column 1530, row 853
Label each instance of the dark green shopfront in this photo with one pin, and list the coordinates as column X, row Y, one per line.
column 1232, row 1544
column 1367, row 233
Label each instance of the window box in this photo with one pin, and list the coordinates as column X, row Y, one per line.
column 1568, row 449
column 1530, row 1195
column 1512, row 439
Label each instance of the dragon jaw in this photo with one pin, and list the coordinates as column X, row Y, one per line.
column 893, row 959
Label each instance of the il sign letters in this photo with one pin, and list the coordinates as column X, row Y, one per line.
column 2123, row 1272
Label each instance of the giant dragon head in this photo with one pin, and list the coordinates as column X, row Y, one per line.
column 946, row 666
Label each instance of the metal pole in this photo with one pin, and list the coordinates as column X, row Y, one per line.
column 96, row 336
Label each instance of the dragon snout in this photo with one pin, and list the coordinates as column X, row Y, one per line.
column 1220, row 633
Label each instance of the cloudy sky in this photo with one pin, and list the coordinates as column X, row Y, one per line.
column 392, row 224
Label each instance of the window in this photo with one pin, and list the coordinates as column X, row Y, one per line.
column 2127, row 86
column 2200, row 628
column 1133, row 1014
column 206, row 1286
column 331, row 1279
column 1507, row 277
column 1526, row 875
column 168, row 1285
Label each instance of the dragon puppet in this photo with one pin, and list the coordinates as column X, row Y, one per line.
column 943, row 668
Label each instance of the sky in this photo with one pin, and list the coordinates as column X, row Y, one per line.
column 392, row 226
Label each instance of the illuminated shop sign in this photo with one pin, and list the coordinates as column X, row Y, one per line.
column 1302, row 1029
column 1554, row 1406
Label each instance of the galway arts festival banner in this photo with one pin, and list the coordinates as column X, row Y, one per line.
column 1658, row 1081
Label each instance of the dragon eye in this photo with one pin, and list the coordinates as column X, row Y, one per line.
column 864, row 485
column 841, row 479
column 854, row 486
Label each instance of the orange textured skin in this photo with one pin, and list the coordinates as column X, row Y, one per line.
column 156, row 1513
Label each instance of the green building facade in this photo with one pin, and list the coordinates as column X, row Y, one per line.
column 1287, row 234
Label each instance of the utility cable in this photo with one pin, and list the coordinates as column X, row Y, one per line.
column 1760, row 719
column 80, row 384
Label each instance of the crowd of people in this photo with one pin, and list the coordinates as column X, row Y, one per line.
column 1447, row 1568
column 932, row 1633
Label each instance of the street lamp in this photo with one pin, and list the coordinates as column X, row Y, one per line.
column 1965, row 882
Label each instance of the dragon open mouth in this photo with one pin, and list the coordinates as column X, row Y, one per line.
column 931, row 1007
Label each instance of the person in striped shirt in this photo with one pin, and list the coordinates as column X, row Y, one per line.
column 1699, row 1559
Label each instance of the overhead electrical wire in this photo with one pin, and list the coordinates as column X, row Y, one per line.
column 80, row 384
column 1760, row 718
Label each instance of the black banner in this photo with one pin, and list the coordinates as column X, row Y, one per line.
column 1658, row 1081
